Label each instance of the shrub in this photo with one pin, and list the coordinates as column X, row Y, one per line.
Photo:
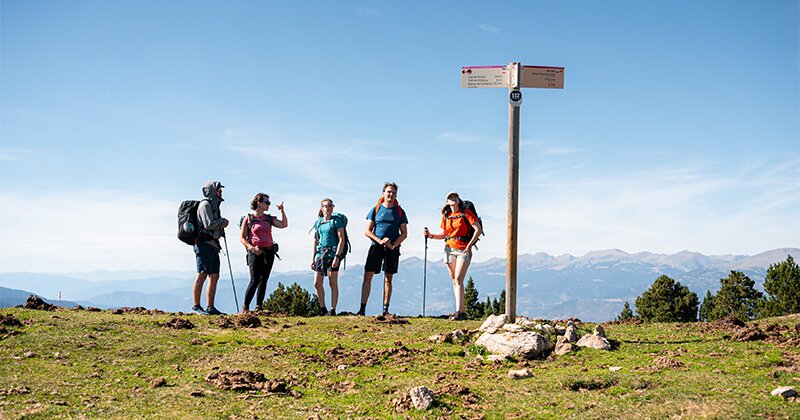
column 292, row 301
column 626, row 313
column 667, row 301
column 737, row 297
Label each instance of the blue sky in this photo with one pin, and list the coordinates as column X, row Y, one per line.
column 678, row 127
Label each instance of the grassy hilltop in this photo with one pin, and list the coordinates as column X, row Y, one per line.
column 70, row 363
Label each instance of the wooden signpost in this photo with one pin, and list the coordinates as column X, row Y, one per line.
column 513, row 77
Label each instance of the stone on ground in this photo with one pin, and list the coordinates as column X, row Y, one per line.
column 526, row 344
column 421, row 397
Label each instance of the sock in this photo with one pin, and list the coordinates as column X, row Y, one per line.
column 385, row 308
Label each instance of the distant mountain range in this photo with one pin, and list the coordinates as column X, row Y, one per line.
column 592, row 287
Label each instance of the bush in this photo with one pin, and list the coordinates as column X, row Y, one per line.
column 707, row 307
column 292, row 301
column 782, row 285
column 667, row 301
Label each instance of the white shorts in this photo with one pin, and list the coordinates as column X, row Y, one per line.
column 451, row 255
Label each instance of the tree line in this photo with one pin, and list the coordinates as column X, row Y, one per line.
column 669, row 301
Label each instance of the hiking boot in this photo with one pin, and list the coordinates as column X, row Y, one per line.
column 199, row 310
column 458, row 316
column 245, row 309
column 322, row 311
column 361, row 312
column 332, row 312
column 210, row 310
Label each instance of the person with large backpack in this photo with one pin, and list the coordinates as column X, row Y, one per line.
column 207, row 247
column 256, row 236
column 330, row 249
column 461, row 229
column 387, row 228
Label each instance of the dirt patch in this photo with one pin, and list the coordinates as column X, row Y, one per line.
column 346, row 387
column 390, row 319
column 467, row 397
column 402, row 403
column 368, row 357
column 790, row 363
column 178, row 324
column 10, row 321
column 246, row 320
column 751, row 333
column 15, row 391
column 35, row 302
column 93, row 309
column 664, row 362
column 588, row 384
column 243, row 380
column 137, row 310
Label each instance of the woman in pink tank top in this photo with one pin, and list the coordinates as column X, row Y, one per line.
column 256, row 236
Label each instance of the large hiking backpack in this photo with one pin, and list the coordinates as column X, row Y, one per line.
column 468, row 205
column 342, row 219
column 189, row 226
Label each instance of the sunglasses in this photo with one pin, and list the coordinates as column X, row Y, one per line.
column 328, row 205
column 265, row 201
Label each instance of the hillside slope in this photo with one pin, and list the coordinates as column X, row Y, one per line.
column 76, row 363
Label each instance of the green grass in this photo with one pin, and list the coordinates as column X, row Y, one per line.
column 98, row 364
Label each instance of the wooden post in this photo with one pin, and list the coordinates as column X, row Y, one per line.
column 513, row 197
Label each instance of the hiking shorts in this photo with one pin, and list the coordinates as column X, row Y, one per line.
column 378, row 256
column 451, row 255
column 324, row 265
column 207, row 258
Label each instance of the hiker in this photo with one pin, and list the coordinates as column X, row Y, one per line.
column 256, row 236
column 212, row 225
column 386, row 227
column 456, row 221
column 328, row 253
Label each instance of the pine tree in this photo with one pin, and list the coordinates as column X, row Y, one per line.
column 737, row 297
column 707, row 307
column 626, row 313
column 667, row 301
column 782, row 284
column 487, row 307
column 472, row 306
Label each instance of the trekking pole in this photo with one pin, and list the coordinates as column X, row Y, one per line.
column 425, row 273
column 235, row 299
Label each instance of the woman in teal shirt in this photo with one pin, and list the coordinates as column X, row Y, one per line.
column 329, row 242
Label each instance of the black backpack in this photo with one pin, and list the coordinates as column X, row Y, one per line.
column 468, row 205
column 189, row 226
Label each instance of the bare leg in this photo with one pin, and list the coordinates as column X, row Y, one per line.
column 319, row 288
column 197, row 289
column 366, row 286
column 387, row 288
column 451, row 267
column 211, row 290
column 333, row 278
column 458, row 285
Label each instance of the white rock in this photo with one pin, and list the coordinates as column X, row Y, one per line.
column 342, row 367
column 594, row 341
column 513, row 327
column 599, row 331
column 524, row 344
column 571, row 334
column 422, row 397
column 545, row 328
column 519, row 374
column 457, row 334
column 493, row 323
column 615, row 368
column 784, row 391
column 496, row 358
column 563, row 346
column 560, row 330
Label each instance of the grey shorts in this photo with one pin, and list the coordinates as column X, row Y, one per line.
column 452, row 254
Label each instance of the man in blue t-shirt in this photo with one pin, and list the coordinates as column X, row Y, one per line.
column 386, row 227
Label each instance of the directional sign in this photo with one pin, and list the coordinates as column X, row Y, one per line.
column 541, row 77
column 484, row 77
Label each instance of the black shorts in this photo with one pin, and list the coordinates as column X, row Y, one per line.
column 323, row 265
column 378, row 256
